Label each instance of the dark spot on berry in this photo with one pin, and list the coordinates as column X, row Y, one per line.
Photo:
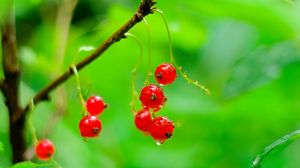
column 95, row 130
column 165, row 99
column 49, row 154
column 153, row 97
column 168, row 135
column 105, row 105
column 159, row 75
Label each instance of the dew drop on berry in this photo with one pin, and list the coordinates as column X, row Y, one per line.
column 161, row 129
column 159, row 143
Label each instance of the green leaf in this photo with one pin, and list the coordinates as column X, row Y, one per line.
column 276, row 147
column 1, row 147
column 244, row 77
column 29, row 164
column 292, row 2
column 26, row 164
column 4, row 6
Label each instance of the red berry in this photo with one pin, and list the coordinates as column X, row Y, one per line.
column 161, row 128
column 95, row 105
column 165, row 74
column 143, row 120
column 152, row 96
column 90, row 126
column 44, row 149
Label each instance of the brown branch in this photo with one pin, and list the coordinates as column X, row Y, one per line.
column 1, row 84
column 145, row 8
column 10, row 85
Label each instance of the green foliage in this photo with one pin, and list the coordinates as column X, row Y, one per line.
column 1, row 147
column 276, row 147
column 26, row 164
column 29, row 164
column 3, row 9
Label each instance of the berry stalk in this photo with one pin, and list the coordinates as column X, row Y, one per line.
column 147, row 81
column 134, row 93
column 172, row 59
column 74, row 69
column 55, row 163
column 30, row 124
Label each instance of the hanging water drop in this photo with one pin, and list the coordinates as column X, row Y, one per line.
column 158, row 143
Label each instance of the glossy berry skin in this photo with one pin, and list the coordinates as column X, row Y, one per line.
column 90, row 126
column 152, row 96
column 161, row 128
column 143, row 120
column 95, row 105
column 44, row 149
column 165, row 74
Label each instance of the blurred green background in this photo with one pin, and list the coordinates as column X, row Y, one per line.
column 246, row 52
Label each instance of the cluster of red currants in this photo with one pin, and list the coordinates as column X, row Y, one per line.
column 90, row 125
column 153, row 99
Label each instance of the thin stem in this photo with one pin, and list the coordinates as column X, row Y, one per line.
column 152, row 113
column 30, row 124
column 74, row 69
column 147, row 81
column 172, row 59
column 55, row 163
column 134, row 93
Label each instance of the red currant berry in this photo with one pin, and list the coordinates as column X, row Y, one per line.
column 152, row 96
column 161, row 128
column 90, row 126
column 165, row 74
column 44, row 149
column 95, row 105
column 143, row 120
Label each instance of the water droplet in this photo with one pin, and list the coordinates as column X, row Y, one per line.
column 158, row 143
